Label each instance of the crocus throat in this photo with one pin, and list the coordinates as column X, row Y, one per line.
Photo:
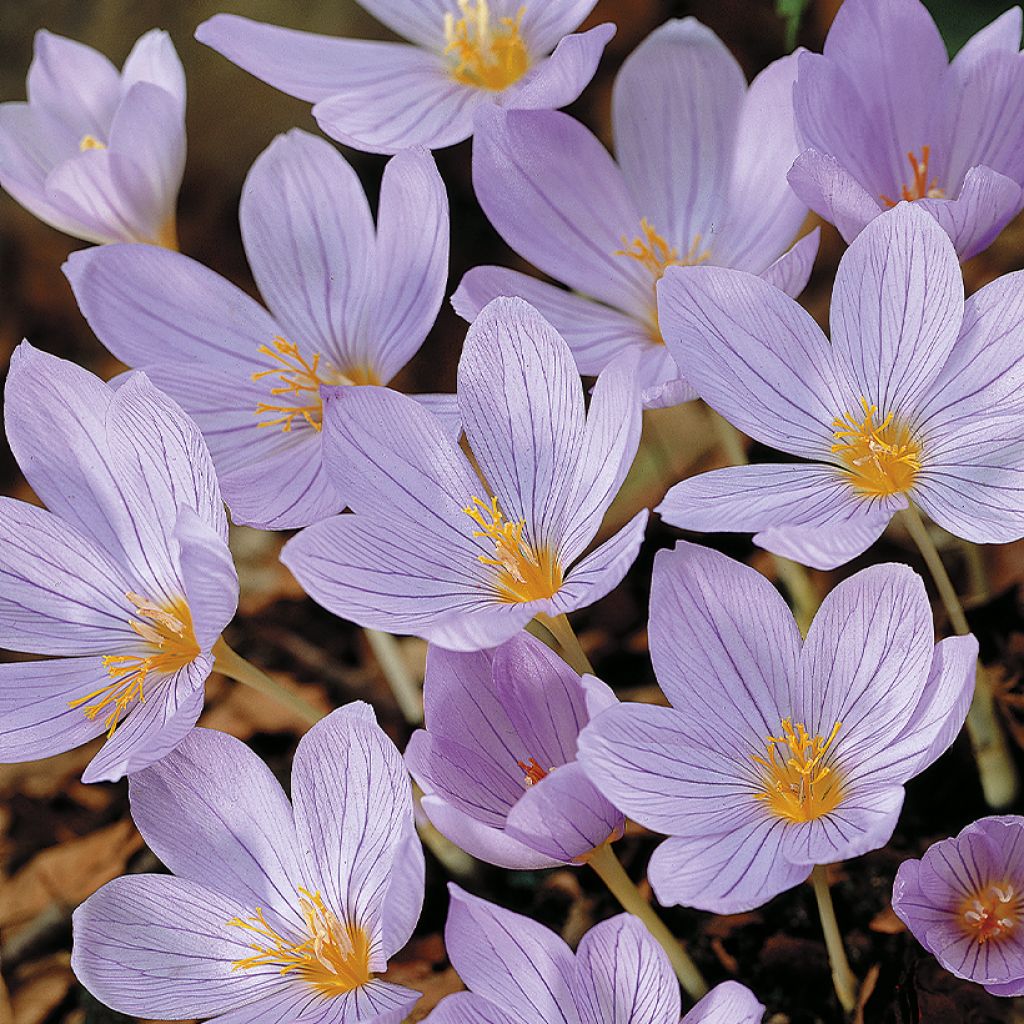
column 524, row 572
column 798, row 785
column 333, row 956
column 992, row 912
column 166, row 630
column 90, row 142
column 482, row 53
column 533, row 772
column 920, row 187
column 881, row 458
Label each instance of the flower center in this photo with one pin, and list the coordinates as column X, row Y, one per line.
column 533, row 772
column 524, row 572
column 920, row 187
column 798, row 786
column 992, row 912
column 295, row 384
column 167, row 630
column 333, row 957
column 90, row 142
column 882, row 458
column 481, row 54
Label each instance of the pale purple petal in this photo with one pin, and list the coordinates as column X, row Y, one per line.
column 833, row 193
column 544, row 24
column 421, row 21
column 154, row 59
column 468, row 1008
column 561, row 78
column 727, row 1003
column 404, row 900
column 824, row 547
column 208, row 573
column 792, row 270
column 1001, row 34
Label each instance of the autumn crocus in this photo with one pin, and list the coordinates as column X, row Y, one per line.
column 883, row 116
column 384, row 97
column 699, row 179
column 275, row 909
column 466, row 558
column 776, row 755
column 349, row 305
column 497, row 760
column 964, row 902
column 126, row 579
column 96, row 152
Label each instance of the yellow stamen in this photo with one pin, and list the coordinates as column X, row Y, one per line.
column 882, row 458
column 991, row 913
column 333, row 957
column 524, row 572
column 483, row 55
column 533, row 772
column 920, row 187
column 90, row 142
column 798, row 786
column 169, row 633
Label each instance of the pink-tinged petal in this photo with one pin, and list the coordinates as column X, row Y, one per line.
column 623, row 976
column 833, row 193
column 727, row 1003
column 792, row 270
column 468, row 1008
column 154, row 59
column 561, row 78
column 208, row 572
column 555, row 195
column 824, row 547
column 544, row 24
column 404, row 900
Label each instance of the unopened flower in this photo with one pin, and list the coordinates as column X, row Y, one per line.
column 95, row 152
column 350, row 305
column 127, row 578
column 497, row 760
column 699, row 179
column 462, row 558
column 883, row 116
column 776, row 755
column 275, row 909
column 384, row 97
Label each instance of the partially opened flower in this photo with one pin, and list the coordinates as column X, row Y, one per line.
column 497, row 760
column 275, row 910
column 462, row 559
column 700, row 178
column 917, row 398
column 96, row 152
column 884, row 116
column 385, row 97
column 127, row 578
column 964, row 902
column 350, row 305
column 776, row 756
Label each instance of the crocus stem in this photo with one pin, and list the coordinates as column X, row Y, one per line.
column 610, row 870
column 996, row 770
column 234, row 666
column 568, row 643
column 406, row 691
column 844, row 980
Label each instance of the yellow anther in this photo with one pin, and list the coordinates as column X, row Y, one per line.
column 992, row 912
column 920, row 187
column 882, row 458
column 483, row 54
column 90, row 142
column 798, row 785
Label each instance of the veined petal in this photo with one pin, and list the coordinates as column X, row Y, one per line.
column 469, row 1008
column 1001, row 34
column 154, row 59
column 208, row 573
column 824, row 547
column 421, row 21
column 404, row 900
column 792, row 270
column 832, row 192
column 727, row 1003
column 544, row 24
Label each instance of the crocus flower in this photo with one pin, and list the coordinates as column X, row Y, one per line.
column 964, row 902
column 98, row 153
column 461, row 559
column 916, row 399
column 127, row 578
column 348, row 306
column 700, row 179
column 497, row 760
column 385, row 97
column 776, row 755
column 275, row 910
column 884, row 116
column 519, row 972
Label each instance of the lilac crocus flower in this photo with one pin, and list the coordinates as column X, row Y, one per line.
column 350, row 305
column 384, row 97
column 127, row 578
column 497, row 760
column 95, row 152
column 700, row 179
column 776, row 755
column 463, row 559
column 916, row 399
column 276, row 910
column 964, row 902
column 519, row 972
column 883, row 116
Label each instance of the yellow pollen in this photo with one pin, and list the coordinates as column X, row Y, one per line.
column 882, row 458
column 483, row 55
column 533, row 772
column 333, row 957
column 524, row 573
column 992, row 912
column 921, row 187
column 798, row 786
column 299, row 379
column 90, row 142
column 168, row 631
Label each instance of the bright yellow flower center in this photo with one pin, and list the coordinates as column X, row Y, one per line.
column 991, row 913
column 524, row 572
column 920, row 187
column 798, row 785
column 295, row 385
column 333, row 957
column 483, row 54
column 167, row 630
column 90, row 142
column 882, row 458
